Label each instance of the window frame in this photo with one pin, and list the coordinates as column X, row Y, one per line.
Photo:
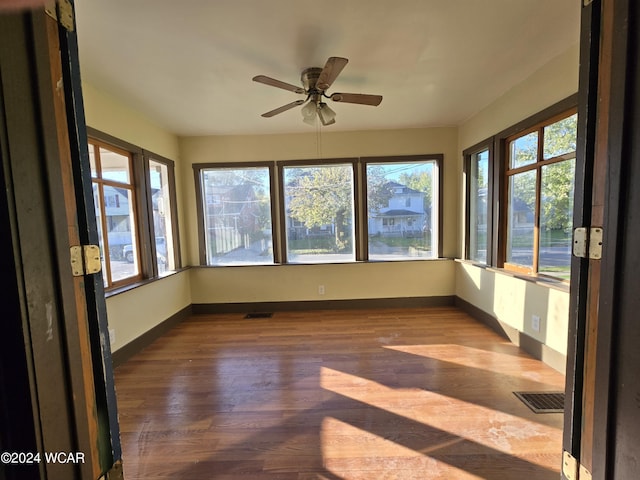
column 438, row 159
column 148, row 157
column 468, row 154
column 537, row 122
column 97, row 140
column 357, row 217
column 143, row 225
column 278, row 215
column 202, row 245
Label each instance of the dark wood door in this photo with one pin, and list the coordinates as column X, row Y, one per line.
column 57, row 389
column 602, row 430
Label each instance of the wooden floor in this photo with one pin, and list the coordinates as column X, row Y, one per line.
column 336, row 395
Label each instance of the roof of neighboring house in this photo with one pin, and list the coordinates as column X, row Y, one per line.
column 405, row 190
column 399, row 213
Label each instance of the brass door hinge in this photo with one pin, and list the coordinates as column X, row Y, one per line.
column 572, row 470
column 115, row 473
column 85, row 260
column 587, row 242
column 62, row 12
column 569, row 466
column 584, row 474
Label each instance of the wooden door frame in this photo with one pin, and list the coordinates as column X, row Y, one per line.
column 65, row 376
column 607, row 110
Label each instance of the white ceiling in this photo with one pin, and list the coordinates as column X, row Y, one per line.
column 188, row 64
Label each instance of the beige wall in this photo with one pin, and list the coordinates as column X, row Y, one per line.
column 511, row 300
column 345, row 281
column 132, row 313
column 136, row 311
column 110, row 115
column 279, row 283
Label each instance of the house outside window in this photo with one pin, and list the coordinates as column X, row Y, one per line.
column 402, row 208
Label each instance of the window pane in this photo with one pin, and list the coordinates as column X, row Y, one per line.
column 114, row 166
column 237, row 216
column 522, row 198
column 162, row 222
column 524, row 150
column 118, row 211
column 560, row 137
column 319, row 213
column 478, row 206
column 556, row 218
column 402, row 210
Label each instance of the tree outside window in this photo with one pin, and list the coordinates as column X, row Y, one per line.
column 540, row 185
column 319, row 213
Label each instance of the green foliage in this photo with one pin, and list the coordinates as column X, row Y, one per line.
column 556, row 202
column 378, row 190
column 557, row 195
column 317, row 198
column 322, row 196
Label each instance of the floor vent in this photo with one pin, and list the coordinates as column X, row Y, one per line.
column 543, row 402
column 259, row 315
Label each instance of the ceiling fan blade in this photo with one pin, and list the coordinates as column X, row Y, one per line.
column 277, row 83
column 283, row 108
column 359, row 98
column 330, row 72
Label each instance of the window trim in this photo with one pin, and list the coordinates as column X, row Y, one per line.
column 100, row 139
column 488, row 145
column 548, row 116
column 148, row 157
column 438, row 158
column 278, row 217
column 202, row 245
column 142, row 191
column 357, row 219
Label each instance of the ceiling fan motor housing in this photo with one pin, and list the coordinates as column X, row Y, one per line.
column 309, row 79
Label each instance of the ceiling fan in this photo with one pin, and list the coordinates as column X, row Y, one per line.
column 315, row 82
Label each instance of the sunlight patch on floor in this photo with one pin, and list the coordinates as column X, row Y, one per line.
column 341, row 441
column 477, row 358
column 444, row 416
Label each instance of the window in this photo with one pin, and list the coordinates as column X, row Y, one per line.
column 134, row 197
column 402, row 198
column 478, row 225
column 161, row 182
column 315, row 211
column 236, row 214
column 114, row 198
column 319, row 213
column 540, row 171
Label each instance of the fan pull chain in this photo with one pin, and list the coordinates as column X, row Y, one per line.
column 318, row 138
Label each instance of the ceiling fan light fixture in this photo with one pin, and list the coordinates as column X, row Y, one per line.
column 327, row 116
column 309, row 112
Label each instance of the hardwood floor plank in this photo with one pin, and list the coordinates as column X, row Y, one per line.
column 421, row 393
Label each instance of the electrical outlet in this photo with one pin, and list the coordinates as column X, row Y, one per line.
column 320, row 289
column 112, row 336
column 535, row 323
